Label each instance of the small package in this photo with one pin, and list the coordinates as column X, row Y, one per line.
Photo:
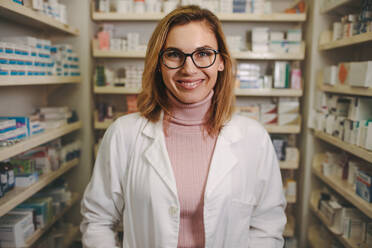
column 269, row 119
column 288, row 119
column 15, row 229
column 364, row 185
column 25, row 180
column 360, row 74
column 330, row 75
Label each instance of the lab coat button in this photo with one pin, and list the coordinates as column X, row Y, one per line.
column 173, row 211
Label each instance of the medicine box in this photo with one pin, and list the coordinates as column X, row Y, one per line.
column 364, row 185
column 343, row 73
column 330, row 75
column 288, row 107
column 361, row 74
column 15, row 229
column 288, row 119
column 25, row 180
column 269, row 119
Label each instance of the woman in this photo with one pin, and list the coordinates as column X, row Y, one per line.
column 185, row 171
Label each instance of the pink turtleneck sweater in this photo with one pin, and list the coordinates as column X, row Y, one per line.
column 190, row 150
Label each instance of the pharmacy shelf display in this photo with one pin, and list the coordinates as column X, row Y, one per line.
column 345, row 42
column 37, row 140
column 352, row 149
column 19, row 195
column 334, row 6
column 37, row 80
column 342, row 187
column 346, row 242
column 238, row 91
column 226, row 17
column 338, row 185
column 39, row 232
column 27, row 16
column 241, row 55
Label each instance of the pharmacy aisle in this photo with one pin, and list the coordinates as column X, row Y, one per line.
column 41, row 129
column 340, row 126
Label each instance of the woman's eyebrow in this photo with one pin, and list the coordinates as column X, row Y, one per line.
column 196, row 49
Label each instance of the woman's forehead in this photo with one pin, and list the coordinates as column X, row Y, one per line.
column 191, row 36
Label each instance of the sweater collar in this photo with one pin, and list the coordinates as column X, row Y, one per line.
column 189, row 114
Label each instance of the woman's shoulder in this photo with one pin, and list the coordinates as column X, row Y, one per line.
column 248, row 127
column 128, row 123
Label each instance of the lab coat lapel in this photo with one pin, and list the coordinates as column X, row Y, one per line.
column 157, row 155
column 223, row 160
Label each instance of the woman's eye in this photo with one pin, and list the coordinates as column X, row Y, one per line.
column 201, row 54
column 173, row 54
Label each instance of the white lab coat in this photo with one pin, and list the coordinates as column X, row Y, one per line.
column 133, row 179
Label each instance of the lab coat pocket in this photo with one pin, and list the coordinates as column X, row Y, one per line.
column 239, row 222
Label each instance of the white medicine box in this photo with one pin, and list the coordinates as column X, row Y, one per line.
column 330, row 75
column 360, row 74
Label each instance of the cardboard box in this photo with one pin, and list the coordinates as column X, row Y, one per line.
column 15, row 229
column 364, row 185
column 292, row 107
column 330, row 75
column 269, row 119
column 288, row 119
column 361, row 74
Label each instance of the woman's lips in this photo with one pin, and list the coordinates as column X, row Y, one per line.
column 189, row 84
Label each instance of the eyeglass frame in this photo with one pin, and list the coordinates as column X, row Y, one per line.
column 189, row 55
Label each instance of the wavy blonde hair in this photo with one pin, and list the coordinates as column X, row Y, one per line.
column 153, row 98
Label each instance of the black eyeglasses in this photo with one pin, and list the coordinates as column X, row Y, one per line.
column 202, row 58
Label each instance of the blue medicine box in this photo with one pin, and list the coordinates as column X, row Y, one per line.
column 364, row 185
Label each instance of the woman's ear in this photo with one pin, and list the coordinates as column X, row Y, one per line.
column 221, row 66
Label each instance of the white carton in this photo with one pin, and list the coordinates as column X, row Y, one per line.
column 15, row 228
column 360, row 74
column 330, row 75
column 288, row 119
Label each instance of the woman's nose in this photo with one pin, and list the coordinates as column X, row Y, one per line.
column 189, row 66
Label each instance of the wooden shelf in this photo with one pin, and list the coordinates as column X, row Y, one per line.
column 37, row 140
column 353, row 40
column 291, row 200
column 233, row 17
column 249, row 55
column 115, row 90
column 342, row 187
column 346, row 242
column 27, row 16
column 295, row 129
column 346, row 90
column 102, row 125
column 352, row 149
column 269, row 92
column 39, row 232
column 19, row 195
column 289, row 165
column 118, row 54
column 36, row 80
column 289, row 227
column 335, row 6
column 70, row 236
column 315, row 238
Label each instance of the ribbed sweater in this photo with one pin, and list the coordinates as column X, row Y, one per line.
column 190, row 150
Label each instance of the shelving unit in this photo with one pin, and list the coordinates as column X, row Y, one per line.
column 19, row 195
column 332, row 53
column 346, row 242
column 38, row 233
column 335, row 6
column 29, row 17
column 341, row 187
column 18, row 20
column 352, row 149
column 37, row 140
column 350, row 41
column 242, row 55
column 315, row 240
column 36, row 80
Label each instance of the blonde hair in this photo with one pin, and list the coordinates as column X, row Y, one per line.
column 153, row 98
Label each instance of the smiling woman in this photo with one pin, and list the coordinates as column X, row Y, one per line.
column 185, row 172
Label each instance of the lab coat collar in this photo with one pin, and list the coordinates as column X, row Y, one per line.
column 223, row 159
